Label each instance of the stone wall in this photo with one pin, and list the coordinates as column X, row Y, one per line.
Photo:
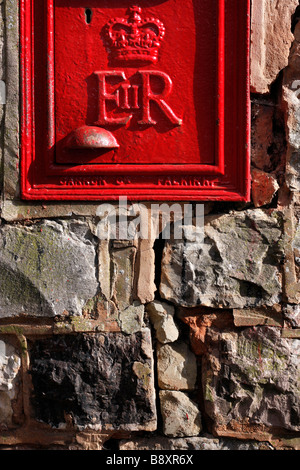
column 158, row 344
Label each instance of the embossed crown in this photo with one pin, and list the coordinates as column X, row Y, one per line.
column 134, row 38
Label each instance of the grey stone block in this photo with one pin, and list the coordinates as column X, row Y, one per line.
column 46, row 269
column 237, row 265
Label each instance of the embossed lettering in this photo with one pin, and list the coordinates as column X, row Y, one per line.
column 126, row 97
column 135, row 97
column 83, row 181
column 159, row 99
column 125, row 88
column 105, row 96
column 192, row 182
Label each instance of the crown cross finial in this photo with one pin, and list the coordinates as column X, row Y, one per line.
column 134, row 38
column 135, row 9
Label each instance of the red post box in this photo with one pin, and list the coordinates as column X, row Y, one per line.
column 146, row 100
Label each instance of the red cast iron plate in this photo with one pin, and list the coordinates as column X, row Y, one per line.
column 205, row 52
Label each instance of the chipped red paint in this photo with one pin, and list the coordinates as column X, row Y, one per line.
column 87, row 137
column 151, row 103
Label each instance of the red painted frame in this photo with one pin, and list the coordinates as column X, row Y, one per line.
column 227, row 180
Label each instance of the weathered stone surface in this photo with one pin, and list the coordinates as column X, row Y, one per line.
column 2, row 51
column 162, row 317
column 10, row 363
column 290, row 72
column 291, row 105
column 89, row 441
column 199, row 320
column 268, row 149
column 102, row 382
column 96, row 378
column 145, row 285
column 104, row 269
column 296, row 240
column 292, row 315
column 11, row 162
column 176, row 366
column 131, row 318
column 205, row 442
column 262, row 116
column 271, row 41
column 127, row 273
column 181, row 416
column 291, row 333
column 123, row 276
column 16, row 210
column 116, row 271
column 46, row 269
column 2, row 87
column 264, row 187
column 253, row 317
column 238, row 265
column 293, row 128
column 251, row 380
column 291, row 285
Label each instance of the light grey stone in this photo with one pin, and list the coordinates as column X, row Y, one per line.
column 237, row 265
column 131, row 318
column 181, row 416
column 2, row 92
column 205, row 442
column 46, row 269
column 10, row 364
column 292, row 314
column 176, row 366
column 162, row 317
